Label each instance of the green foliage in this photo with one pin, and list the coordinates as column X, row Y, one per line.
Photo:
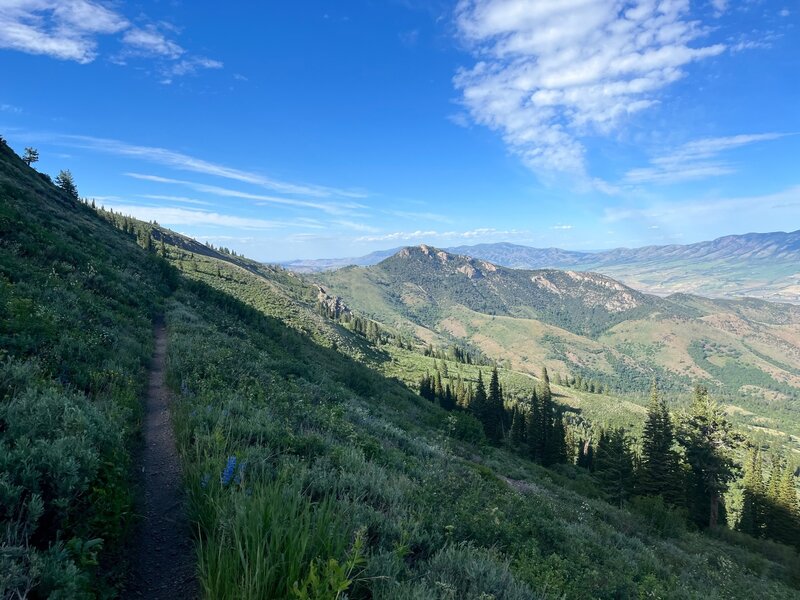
column 708, row 440
column 660, row 467
column 66, row 182
column 614, row 466
column 76, row 302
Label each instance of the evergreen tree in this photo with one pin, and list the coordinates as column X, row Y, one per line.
column 558, row 441
column 31, row 156
column 518, row 427
column 614, row 466
column 66, row 182
column 660, row 466
column 535, row 429
column 782, row 521
column 708, row 441
column 479, row 401
column 494, row 413
column 754, row 496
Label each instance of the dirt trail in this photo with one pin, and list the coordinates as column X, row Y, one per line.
column 163, row 558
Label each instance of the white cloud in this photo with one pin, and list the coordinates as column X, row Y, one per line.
column 63, row 29
column 774, row 207
column 420, row 235
column 564, row 227
column 329, row 207
column 10, row 108
column 71, row 30
column 720, row 6
column 549, row 73
column 182, row 199
column 184, row 162
column 695, row 160
column 356, row 226
column 151, row 41
column 167, row 215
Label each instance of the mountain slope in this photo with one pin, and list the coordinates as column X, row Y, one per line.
column 762, row 265
column 77, row 298
column 590, row 325
column 309, row 473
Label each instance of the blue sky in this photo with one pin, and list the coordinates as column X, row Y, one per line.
column 321, row 129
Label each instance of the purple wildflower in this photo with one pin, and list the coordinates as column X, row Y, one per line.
column 228, row 472
column 240, row 473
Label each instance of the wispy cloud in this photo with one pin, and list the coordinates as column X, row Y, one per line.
column 698, row 159
column 63, row 29
column 785, row 202
column 181, row 199
column 564, row 227
column 355, row 226
column 168, row 215
column 71, row 30
column 331, row 207
column 421, row 216
column 10, row 108
column 185, row 162
column 549, row 73
column 151, row 41
column 421, row 235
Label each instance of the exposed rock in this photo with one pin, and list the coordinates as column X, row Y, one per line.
column 334, row 305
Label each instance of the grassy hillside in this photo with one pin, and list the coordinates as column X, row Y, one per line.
column 589, row 325
column 77, row 300
column 311, row 474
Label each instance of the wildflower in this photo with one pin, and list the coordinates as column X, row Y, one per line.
column 228, row 472
column 205, row 480
column 240, row 473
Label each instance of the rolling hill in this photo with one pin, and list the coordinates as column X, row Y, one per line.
column 761, row 265
column 590, row 325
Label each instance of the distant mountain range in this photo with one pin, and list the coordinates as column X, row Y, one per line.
column 761, row 265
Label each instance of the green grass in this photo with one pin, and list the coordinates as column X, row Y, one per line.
column 76, row 305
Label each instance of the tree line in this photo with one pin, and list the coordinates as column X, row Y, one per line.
column 686, row 464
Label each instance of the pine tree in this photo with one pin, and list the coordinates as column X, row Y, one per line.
column 535, row 430
column 31, row 156
column 660, row 466
column 66, row 182
column 614, row 466
column 754, row 492
column 558, row 441
column 782, row 521
column 494, row 412
column 518, row 427
column 708, row 440
column 478, row 402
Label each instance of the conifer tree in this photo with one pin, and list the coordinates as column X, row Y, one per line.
column 754, row 496
column 66, row 182
column 535, row 428
column 614, row 466
column 660, row 466
column 708, row 440
column 494, row 412
column 31, row 156
column 517, row 427
column 558, row 441
column 478, row 402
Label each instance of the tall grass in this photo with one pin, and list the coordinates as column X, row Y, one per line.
column 263, row 540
